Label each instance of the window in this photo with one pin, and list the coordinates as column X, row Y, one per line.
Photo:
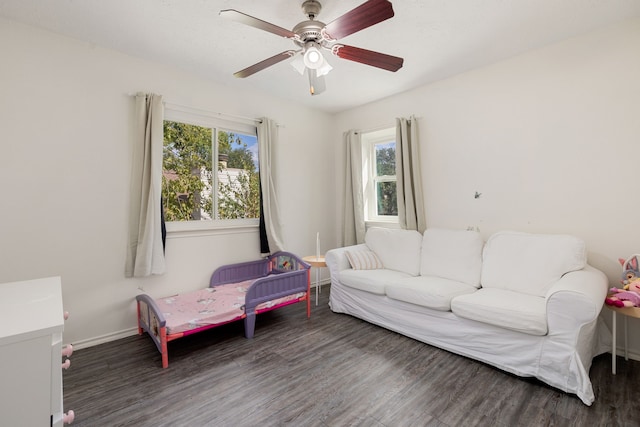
column 210, row 170
column 379, row 175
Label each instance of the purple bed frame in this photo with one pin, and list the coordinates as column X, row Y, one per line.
column 279, row 275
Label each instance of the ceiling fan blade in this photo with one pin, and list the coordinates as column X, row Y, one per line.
column 316, row 83
column 363, row 16
column 369, row 57
column 257, row 23
column 264, row 64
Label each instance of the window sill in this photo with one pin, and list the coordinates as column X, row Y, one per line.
column 181, row 229
column 384, row 224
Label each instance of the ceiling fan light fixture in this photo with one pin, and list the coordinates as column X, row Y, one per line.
column 313, row 58
column 324, row 69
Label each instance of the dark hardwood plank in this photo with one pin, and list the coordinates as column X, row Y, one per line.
column 330, row 370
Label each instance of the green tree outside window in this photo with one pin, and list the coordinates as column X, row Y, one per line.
column 386, row 190
column 188, row 182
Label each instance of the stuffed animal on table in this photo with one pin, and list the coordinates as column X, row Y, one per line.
column 628, row 297
column 630, row 270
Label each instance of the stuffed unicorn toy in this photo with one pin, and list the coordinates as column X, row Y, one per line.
column 630, row 271
column 629, row 295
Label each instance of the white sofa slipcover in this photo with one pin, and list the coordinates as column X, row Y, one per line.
column 525, row 303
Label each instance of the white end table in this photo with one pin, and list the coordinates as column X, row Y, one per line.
column 627, row 312
column 317, row 262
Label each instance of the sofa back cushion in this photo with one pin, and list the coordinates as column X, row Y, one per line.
column 530, row 263
column 397, row 249
column 452, row 254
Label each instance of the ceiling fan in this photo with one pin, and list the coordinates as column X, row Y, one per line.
column 313, row 36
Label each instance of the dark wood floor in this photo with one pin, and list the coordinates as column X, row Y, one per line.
column 331, row 370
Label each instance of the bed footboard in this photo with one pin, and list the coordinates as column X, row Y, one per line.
column 288, row 275
column 151, row 321
column 271, row 288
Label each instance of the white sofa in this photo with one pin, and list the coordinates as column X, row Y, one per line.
column 525, row 303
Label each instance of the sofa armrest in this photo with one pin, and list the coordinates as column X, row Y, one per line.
column 577, row 298
column 337, row 261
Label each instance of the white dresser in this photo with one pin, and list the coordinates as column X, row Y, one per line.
column 31, row 324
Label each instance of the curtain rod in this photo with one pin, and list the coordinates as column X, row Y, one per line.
column 376, row 128
column 206, row 112
column 382, row 127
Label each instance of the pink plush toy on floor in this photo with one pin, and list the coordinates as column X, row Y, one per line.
column 629, row 296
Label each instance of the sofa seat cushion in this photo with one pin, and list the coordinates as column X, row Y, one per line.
column 428, row 291
column 452, row 254
column 373, row 281
column 530, row 263
column 506, row 309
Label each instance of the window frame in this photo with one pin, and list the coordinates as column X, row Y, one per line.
column 369, row 178
column 201, row 118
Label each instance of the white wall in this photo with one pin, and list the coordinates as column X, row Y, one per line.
column 65, row 135
column 550, row 138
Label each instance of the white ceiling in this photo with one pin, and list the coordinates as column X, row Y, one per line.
column 436, row 38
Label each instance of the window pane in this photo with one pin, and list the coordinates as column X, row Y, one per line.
column 387, row 198
column 186, row 175
column 386, row 159
column 238, row 180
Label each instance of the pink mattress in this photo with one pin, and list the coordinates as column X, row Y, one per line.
column 211, row 306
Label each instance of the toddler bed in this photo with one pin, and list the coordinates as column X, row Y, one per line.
column 235, row 292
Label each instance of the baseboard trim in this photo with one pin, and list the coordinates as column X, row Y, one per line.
column 632, row 354
column 90, row 342
column 323, row 282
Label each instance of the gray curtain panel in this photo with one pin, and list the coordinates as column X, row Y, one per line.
column 353, row 217
column 267, row 140
column 411, row 213
column 145, row 252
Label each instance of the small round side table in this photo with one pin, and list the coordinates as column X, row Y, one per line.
column 627, row 312
column 317, row 262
